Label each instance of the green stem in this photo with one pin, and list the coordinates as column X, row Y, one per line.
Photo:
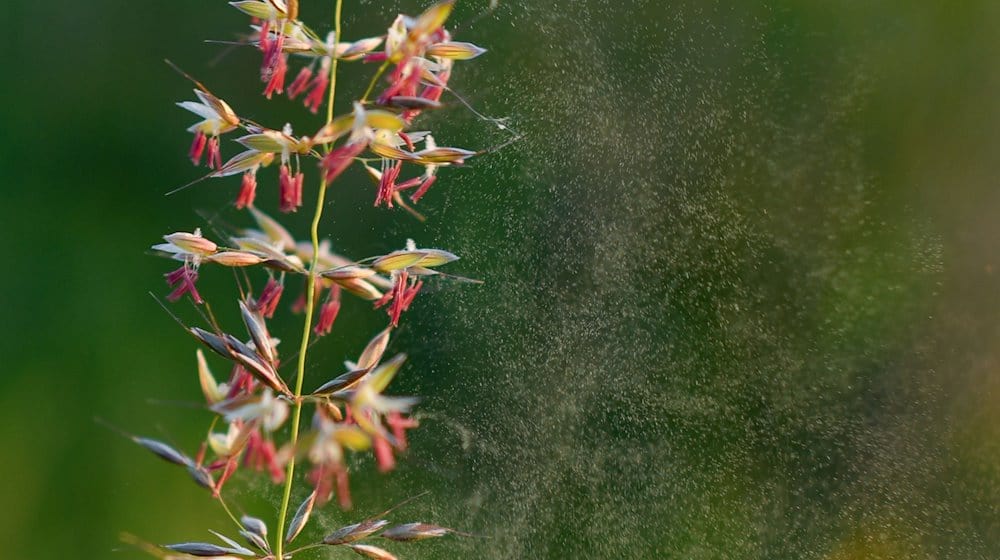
column 222, row 502
column 371, row 84
column 307, row 547
column 333, row 65
column 279, row 537
column 229, row 512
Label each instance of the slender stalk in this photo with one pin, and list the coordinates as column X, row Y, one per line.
column 222, row 502
column 279, row 537
column 333, row 68
column 229, row 512
column 307, row 547
column 371, row 84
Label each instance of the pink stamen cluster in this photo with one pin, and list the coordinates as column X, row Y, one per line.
column 267, row 303
column 339, row 159
column 290, row 189
column 198, row 148
column 312, row 84
column 275, row 64
column 183, row 281
column 404, row 291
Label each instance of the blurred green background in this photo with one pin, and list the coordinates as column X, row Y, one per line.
column 740, row 292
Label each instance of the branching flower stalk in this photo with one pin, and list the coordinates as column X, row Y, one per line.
column 351, row 413
column 310, row 292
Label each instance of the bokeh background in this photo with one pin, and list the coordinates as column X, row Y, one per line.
column 740, row 292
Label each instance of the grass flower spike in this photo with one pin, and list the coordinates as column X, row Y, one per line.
column 262, row 420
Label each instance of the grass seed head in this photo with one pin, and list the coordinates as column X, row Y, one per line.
column 164, row 451
column 415, row 532
column 372, row 552
column 355, row 532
